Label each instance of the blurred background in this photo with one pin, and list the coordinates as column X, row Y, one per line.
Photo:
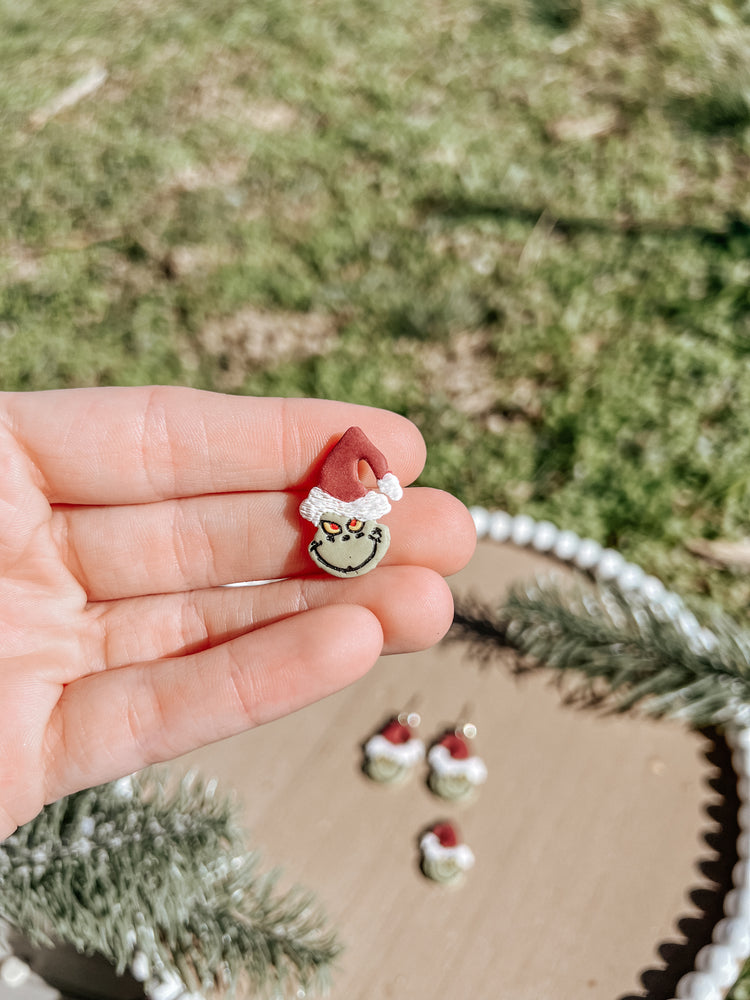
column 525, row 224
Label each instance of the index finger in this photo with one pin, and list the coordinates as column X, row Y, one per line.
column 137, row 445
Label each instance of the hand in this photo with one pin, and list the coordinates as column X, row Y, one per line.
column 122, row 514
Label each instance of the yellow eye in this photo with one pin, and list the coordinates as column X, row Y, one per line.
column 355, row 525
column 331, row 527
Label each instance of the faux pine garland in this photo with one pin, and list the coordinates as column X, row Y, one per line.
column 619, row 648
column 158, row 880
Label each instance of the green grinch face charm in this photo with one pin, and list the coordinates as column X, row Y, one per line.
column 349, row 541
column 348, row 548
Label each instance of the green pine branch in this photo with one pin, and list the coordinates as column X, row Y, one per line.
column 618, row 649
column 140, row 866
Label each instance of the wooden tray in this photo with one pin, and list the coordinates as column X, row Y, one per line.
column 595, row 835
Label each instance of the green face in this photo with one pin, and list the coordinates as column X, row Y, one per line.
column 348, row 547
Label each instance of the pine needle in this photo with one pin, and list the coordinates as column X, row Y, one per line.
column 139, row 866
column 603, row 634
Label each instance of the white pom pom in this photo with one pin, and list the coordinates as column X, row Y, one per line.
column 390, row 485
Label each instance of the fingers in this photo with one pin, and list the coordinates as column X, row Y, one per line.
column 207, row 541
column 138, row 445
column 109, row 724
column 413, row 605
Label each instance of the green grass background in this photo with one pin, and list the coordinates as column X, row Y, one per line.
column 548, row 199
column 524, row 224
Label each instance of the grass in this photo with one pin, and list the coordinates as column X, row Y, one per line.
column 524, row 224
column 545, row 199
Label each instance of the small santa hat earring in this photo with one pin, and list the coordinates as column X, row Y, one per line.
column 394, row 751
column 444, row 857
column 455, row 773
column 349, row 541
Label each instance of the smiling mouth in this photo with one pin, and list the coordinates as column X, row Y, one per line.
column 341, row 569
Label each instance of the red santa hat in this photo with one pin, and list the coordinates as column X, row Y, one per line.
column 341, row 492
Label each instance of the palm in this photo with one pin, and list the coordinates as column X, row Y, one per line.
column 122, row 515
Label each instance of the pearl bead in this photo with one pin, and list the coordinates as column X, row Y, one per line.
column 719, row 962
column 698, row 986
column 707, row 639
column 741, row 737
column 630, row 577
column 743, row 816
column 588, row 554
column 523, row 530
column 481, row 520
column 741, row 761
column 716, row 964
column 734, row 932
column 566, row 545
column 501, row 524
column 741, row 875
column 743, row 845
column 14, row 972
column 652, row 588
column 545, row 536
column 670, row 606
column 737, row 903
column 687, row 621
column 730, row 735
column 610, row 564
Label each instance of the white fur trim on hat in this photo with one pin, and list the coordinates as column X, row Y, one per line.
column 390, row 485
column 367, row 508
column 408, row 754
column 472, row 768
column 433, row 850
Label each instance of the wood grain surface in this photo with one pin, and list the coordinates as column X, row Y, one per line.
column 590, row 834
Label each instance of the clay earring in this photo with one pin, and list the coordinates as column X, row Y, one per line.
column 455, row 773
column 349, row 541
column 444, row 857
column 391, row 755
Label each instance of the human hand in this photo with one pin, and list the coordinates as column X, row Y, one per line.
column 122, row 514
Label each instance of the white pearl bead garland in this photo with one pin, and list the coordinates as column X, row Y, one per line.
column 718, row 964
